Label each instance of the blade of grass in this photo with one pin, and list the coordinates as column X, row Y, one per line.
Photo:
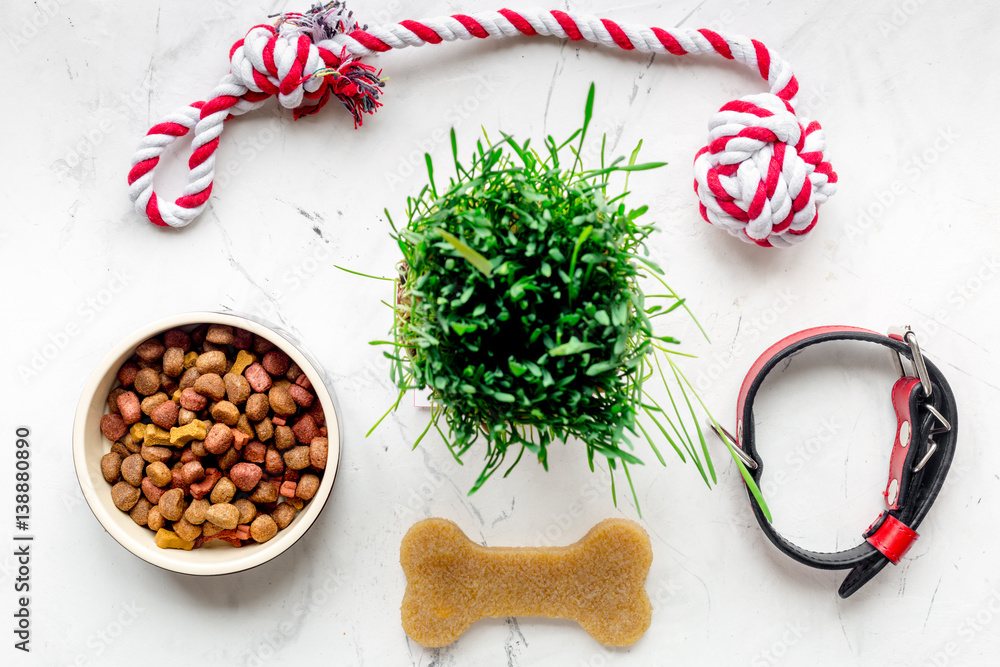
column 697, row 424
column 363, row 275
column 744, row 473
column 474, row 258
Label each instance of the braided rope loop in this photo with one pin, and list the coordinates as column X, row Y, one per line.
column 287, row 61
column 761, row 177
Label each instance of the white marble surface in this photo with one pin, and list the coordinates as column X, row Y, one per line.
column 903, row 89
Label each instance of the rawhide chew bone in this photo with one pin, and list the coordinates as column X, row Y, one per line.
column 761, row 177
column 599, row 582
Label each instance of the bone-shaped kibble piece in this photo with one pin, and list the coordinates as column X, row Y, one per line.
column 599, row 582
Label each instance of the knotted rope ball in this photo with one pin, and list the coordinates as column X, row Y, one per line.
column 761, row 177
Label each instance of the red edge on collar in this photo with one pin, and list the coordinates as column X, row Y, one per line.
column 902, row 391
column 892, row 538
column 773, row 351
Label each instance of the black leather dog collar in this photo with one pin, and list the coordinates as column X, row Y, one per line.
column 922, row 453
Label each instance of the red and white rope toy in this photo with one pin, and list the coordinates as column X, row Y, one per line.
column 761, row 177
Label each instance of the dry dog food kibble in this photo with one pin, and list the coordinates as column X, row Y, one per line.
column 111, row 465
column 125, row 496
column 132, row 469
column 215, row 434
column 263, row 528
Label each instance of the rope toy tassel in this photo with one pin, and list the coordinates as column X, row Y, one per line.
column 761, row 177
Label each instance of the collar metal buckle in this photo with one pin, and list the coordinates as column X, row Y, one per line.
column 726, row 436
column 907, row 335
